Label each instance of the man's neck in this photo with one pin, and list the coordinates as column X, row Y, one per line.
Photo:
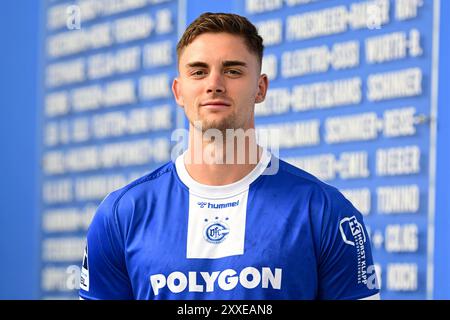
column 215, row 164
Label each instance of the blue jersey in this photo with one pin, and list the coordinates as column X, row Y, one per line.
column 267, row 236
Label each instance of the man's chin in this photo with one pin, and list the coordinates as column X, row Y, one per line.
column 222, row 125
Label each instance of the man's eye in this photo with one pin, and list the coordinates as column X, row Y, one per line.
column 198, row 73
column 233, row 72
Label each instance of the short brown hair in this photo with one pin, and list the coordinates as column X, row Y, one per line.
column 223, row 22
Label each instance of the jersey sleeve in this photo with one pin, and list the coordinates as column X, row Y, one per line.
column 103, row 273
column 346, row 269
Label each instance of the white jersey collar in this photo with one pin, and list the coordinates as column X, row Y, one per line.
column 224, row 191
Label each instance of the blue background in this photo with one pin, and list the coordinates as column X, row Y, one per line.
column 442, row 248
column 19, row 221
column 20, row 117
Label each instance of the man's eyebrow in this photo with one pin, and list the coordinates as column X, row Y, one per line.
column 226, row 63
column 232, row 63
column 197, row 64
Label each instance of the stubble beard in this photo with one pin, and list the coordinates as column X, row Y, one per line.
column 228, row 122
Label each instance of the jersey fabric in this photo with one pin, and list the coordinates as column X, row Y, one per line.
column 267, row 236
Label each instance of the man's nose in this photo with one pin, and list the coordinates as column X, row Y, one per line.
column 215, row 83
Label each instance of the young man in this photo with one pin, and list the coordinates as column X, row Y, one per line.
column 213, row 226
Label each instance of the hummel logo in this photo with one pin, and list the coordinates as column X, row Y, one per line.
column 202, row 204
column 218, row 205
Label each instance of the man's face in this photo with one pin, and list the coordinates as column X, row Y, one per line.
column 219, row 82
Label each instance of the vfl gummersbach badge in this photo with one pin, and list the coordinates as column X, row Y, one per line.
column 216, row 232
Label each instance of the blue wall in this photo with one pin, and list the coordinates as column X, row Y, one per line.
column 442, row 249
column 19, row 140
column 19, row 223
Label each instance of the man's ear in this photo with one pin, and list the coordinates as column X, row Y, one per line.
column 176, row 89
column 263, row 85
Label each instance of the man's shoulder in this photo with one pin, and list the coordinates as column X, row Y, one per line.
column 294, row 177
column 289, row 172
column 118, row 207
column 143, row 185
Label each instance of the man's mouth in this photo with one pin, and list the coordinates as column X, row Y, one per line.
column 215, row 104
